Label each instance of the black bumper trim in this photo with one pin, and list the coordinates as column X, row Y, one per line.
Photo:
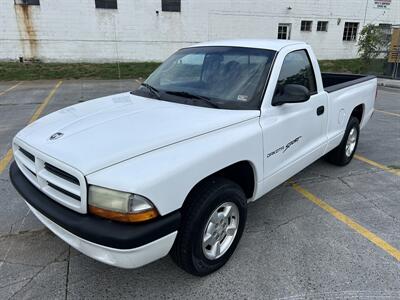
column 91, row 228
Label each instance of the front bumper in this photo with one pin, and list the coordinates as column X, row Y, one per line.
column 118, row 244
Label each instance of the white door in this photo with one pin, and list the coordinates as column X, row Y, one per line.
column 294, row 134
column 284, row 31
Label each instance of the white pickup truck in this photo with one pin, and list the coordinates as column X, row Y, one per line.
column 171, row 167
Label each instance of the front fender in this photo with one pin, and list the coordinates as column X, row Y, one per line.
column 167, row 175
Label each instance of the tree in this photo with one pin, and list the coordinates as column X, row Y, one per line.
column 370, row 42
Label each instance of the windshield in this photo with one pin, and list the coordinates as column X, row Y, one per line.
column 221, row 77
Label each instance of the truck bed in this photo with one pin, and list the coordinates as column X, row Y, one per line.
column 335, row 81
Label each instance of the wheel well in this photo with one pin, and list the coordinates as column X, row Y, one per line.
column 241, row 173
column 358, row 112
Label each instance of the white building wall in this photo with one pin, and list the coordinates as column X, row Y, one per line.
column 75, row 31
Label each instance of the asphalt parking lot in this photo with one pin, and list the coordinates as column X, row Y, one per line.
column 334, row 234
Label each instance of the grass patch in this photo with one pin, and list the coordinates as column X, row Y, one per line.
column 37, row 70
column 355, row 66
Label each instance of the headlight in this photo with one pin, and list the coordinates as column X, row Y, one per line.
column 120, row 206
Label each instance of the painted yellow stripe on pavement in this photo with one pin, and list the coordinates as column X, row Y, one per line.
column 388, row 113
column 377, row 165
column 46, row 101
column 10, row 89
column 349, row 222
column 8, row 157
column 5, row 160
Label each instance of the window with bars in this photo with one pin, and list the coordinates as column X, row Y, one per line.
column 386, row 31
column 306, row 25
column 107, row 4
column 27, row 2
column 322, row 26
column 350, row 31
column 171, row 5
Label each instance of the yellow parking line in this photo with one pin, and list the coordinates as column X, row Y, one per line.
column 46, row 101
column 5, row 160
column 388, row 113
column 8, row 157
column 10, row 89
column 377, row 165
column 349, row 222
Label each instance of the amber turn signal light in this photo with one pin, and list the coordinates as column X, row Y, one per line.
column 124, row 217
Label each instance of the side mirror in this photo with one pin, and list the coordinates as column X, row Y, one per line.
column 290, row 93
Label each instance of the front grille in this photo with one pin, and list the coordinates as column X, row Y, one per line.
column 58, row 181
column 27, row 154
column 32, row 172
column 61, row 173
column 64, row 191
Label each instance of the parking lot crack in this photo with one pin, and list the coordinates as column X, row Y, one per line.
column 10, row 234
column 12, row 226
column 267, row 225
column 19, row 264
column 288, row 222
column 370, row 201
column 28, row 282
column 341, row 179
column 67, row 276
column 394, row 218
column 12, row 243
column 319, row 178
column 19, row 104
column 13, row 283
column 41, row 269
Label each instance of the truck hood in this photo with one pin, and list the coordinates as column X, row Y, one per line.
column 102, row 132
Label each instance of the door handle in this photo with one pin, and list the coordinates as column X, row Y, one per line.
column 320, row 110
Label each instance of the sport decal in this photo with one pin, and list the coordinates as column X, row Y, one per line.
column 283, row 149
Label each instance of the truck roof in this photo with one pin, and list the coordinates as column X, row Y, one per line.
column 270, row 44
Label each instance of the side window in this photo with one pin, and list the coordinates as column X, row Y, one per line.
column 297, row 69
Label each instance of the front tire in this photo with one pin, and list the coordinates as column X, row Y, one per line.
column 213, row 220
column 344, row 153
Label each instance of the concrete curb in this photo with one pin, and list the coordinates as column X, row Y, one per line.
column 389, row 85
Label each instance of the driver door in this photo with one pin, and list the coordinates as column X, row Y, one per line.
column 294, row 134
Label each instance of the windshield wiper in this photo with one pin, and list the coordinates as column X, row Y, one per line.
column 193, row 96
column 152, row 89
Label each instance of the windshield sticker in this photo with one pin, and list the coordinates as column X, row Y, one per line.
column 284, row 148
column 243, row 97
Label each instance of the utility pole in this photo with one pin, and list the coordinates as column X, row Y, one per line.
column 365, row 13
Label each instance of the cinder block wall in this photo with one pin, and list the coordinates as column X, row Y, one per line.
column 75, row 31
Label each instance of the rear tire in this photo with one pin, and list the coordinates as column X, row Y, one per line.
column 344, row 153
column 213, row 220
